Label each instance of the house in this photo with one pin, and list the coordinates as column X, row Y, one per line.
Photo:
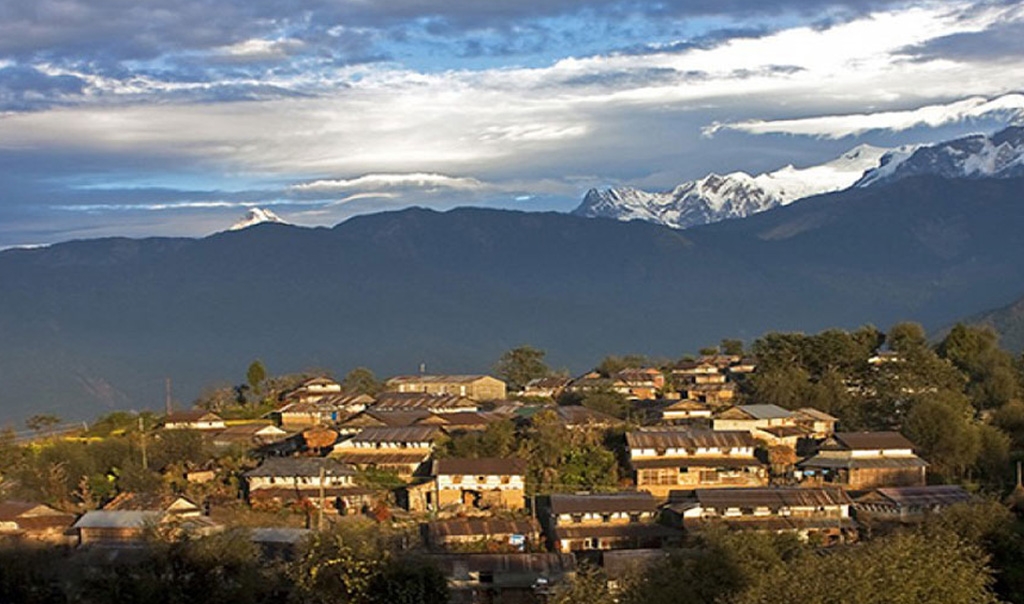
column 669, row 459
column 907, row 504
column 821, row 425
column 398, row 450
column 312, row 389
column 716, row 394
column 129, row 528
column 296, row 479
column 864, row 460
column 175, row 505
column 476, row 387
column 518, row 577
column 546, row 387
column 602, row 521
column 484, row 483
column 323, row 410
column 819, row 513
column 770, row 423
column 278, row 542
column 372, row 418
column 250, row 436
column 194, row 419
column 640, row 384
column 454, row 423
column 685, row 411
column 579, row 417
column 484, row 534
column 419, row 402
column 743, row 366
column 115, row 528
column 23, row 520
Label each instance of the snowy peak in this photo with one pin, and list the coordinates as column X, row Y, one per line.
column 736, row 195
column 256, row 216
column 1000, row 155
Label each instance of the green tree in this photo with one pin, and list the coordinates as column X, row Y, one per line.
column 361, row 381
column 612, row 364
column 41, row 422
column 941, row 427
column 408, row 582
column 733, row 347
column 255, row 376
column 588, row 586
column 520, row 365
column 992, row 378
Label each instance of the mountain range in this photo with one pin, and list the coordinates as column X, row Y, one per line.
column 737, row 195
column 91, row 325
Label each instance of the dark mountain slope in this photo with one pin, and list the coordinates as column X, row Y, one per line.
column 88, row 324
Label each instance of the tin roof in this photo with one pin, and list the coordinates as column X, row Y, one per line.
column 482, row 527
column 925, row 496
column 689, row 439
column 872, row 440
column 771, row 497
column 483, row 466
column 396, row 435
column 627, row 501
column 118, row 519
column 301, row 467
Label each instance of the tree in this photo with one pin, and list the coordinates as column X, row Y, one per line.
column 940, row 425
column 41, row 422
column 408, row 582
column 611, row 364
column 731, row 347
column 520, row 365
column 361, row 381
column 255, row 376
column 588, row 586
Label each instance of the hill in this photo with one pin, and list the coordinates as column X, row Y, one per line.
column 89, row 325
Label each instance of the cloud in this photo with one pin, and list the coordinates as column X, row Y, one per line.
column 24, row 88
column 388, row 182
column 1007, row 108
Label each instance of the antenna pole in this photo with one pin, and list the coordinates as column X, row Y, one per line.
column 167, row 395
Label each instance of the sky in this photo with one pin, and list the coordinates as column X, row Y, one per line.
column 121, row 117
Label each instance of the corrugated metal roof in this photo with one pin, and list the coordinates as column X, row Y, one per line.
column 689, row 439
column 480, row 467
column 862, row 463
column 301, row 467
column 771, row 497
column 815, row 414
column 405, row 434
column 631, row 501
column 357, row 458
column 926, row 496
column 765, row 411
column 483, row 527
column 873, row 440
column 437, row 379
column 454, row 565
column 118, row 519
column 419, row 401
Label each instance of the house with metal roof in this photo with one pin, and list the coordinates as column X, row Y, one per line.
column 484, row 534
column 476, row 387
column 20, row 520
column 665, row 460
column 603, row 521
column 864, row 460
column 908, row 504
column 820, row 513
column 282, row 480
column 394, row 449
column 471, row 484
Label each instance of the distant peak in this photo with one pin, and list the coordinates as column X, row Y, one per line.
column 256, row 216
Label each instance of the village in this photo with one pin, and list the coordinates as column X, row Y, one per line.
column 661, row 454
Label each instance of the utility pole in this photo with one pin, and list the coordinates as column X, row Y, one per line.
column 320, row 511
column 142, row 437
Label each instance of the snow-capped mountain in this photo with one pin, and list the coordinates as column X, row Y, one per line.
column 736, row 195
column 1000, row 155
column 256, row 216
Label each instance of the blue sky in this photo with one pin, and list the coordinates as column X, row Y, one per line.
column 120, row 117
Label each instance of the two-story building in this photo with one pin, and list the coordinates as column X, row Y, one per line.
column 398, row 450
column 476, row 387
column 603, row 521
column 482, row 483
column 864, row 460
column 293, row 479
column 666, row 460
column 820, row 513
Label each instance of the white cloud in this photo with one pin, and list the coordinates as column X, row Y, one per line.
column 258, row 49
column 1010, row 106
column 378, row 182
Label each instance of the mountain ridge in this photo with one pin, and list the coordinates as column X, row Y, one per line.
column 92, row 325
